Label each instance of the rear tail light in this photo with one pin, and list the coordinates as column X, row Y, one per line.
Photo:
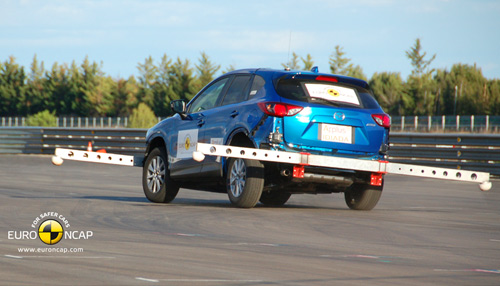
column 327, row 78
column 383, row 120
column 279, row 109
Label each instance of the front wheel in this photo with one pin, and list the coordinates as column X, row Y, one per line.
column 245, row 181
column 363, row 197
column 156, row 182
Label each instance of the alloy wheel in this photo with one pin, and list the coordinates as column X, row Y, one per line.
column 156, row 174
column 237, row 177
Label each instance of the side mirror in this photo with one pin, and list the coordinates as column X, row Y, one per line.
column 178, row 106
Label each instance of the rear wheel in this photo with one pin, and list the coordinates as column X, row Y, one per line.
column 245, row 180
column 156, row 182
column 275, row 199
column 363, row 197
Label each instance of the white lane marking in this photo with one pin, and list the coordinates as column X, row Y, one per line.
column 212, row 280
column 187, row 234
column 432, row 208
column 451, row 270
column 379, row 258
column 13, row 256
column 363, row 256
column 255, row 244
column 199, row 280
column 76, row 257
column 495, row 240
column 147, row 279
column 495, row 271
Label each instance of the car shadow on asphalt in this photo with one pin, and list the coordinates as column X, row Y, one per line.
column 114, row 198
column 215, row 203
column 201, row 202
column 227, row 204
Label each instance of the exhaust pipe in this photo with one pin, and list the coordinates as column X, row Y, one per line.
column 326, row 179
column 285, row 173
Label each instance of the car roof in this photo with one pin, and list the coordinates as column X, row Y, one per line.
column 278, row 73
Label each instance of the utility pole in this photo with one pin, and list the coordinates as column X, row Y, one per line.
column 455, row 105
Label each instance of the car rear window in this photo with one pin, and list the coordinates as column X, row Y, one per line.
column 328, row 93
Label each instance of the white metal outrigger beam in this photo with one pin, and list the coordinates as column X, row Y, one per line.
column 306, row 159
column 294, row 158
column 96, row 157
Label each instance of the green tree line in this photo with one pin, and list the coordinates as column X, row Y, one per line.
column 85, row 90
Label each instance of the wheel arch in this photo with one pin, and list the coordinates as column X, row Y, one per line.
column 157, row 141
column 239, row 138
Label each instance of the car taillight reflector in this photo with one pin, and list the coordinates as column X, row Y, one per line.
column 279, row 109
column 382, row 119
column 327, row 78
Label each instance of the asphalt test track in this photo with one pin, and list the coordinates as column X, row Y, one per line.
column 423, row 232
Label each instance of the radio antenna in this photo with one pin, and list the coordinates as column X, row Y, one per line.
column 289, row 45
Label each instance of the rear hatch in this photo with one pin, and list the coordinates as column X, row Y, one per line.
column 337, row 115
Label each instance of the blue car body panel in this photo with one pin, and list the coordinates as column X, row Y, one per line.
column 304, row 128
column 300, row 132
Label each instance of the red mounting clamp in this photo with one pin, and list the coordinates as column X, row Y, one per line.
column 298, row 171
column 376, row 179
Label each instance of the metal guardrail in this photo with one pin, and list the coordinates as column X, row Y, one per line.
column 37, row 140
column 479, row 152
column 437, row 124
column 447, row 124
column 73, row 122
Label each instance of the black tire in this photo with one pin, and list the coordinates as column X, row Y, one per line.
column 245, row 181
column 274, row 199
column 156, row 182
column 363, row 197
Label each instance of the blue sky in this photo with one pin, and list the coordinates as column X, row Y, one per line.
column 374, row 34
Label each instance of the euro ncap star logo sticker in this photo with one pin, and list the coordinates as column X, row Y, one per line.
column 333, row 92
column 50, row 232
column 187, row 143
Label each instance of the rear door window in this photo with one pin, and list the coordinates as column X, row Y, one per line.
column 238, row 90
column 257, row 84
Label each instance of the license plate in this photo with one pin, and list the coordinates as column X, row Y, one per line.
column 336, row 133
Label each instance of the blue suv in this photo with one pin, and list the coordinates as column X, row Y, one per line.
column 281, row 110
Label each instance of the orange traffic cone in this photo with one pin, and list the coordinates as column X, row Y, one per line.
column 89, row 147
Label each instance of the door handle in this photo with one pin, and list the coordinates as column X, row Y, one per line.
column 234, row 114
column 201, row 122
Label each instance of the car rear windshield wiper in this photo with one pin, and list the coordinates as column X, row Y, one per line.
column 333, row 103
column 313, row 99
